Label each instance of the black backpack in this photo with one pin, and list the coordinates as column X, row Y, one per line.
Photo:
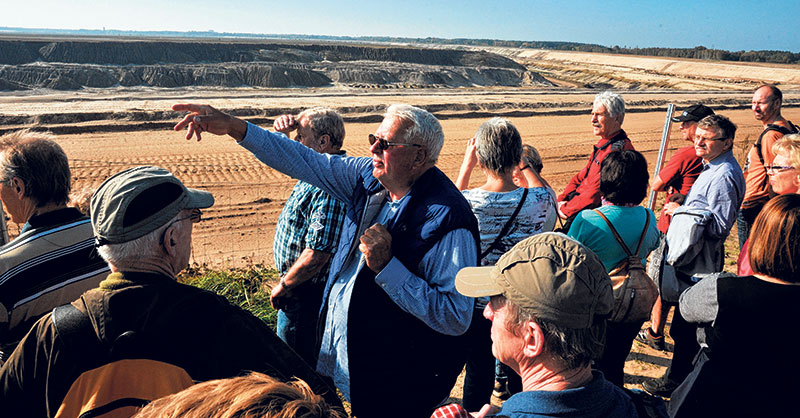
column 122, row 384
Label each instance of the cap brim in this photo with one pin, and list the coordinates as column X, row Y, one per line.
column 477, row 282
column 199, row 199
column 678, row 119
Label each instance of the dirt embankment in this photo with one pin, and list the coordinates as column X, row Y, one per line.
column 73, row 64
column 605, row 71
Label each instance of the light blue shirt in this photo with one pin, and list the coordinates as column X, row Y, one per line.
column 432, row 298
column 720, row 190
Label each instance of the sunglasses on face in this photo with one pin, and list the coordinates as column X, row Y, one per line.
column 384, row 144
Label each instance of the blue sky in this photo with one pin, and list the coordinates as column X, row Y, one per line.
column 732, row 25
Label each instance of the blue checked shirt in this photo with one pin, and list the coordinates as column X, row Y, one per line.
column 310, row 219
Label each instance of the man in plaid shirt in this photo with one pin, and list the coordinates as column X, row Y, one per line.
column 307, row 235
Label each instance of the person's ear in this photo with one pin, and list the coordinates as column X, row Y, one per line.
column 170, row 240
column 533, row 340
column 421, row 158
column 324, row 140
column 19, row 186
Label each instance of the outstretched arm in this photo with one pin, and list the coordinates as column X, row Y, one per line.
column 204, row 118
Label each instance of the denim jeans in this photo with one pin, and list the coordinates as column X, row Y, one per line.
column 297, row 322
column 744, row 221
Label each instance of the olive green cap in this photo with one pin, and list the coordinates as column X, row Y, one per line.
column 137, row 201
column 550, row 275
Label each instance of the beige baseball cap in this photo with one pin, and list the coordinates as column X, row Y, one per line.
column 137, row 201
column 551, row 275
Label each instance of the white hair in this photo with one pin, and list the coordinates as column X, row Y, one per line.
column 423, row 128
column 614, row 103
column 146, row 246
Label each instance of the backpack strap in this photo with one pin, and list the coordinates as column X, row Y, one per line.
column 772, row 127
column 72, row 325
column 506, row 227
column 619, row 238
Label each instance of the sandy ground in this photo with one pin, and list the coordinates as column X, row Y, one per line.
column 238, row 230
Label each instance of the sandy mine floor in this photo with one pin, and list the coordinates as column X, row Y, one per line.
column 238, row 229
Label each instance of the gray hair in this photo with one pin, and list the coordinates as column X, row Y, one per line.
column 614, row 103
column 146, row 246
column 39, row 162
column 531, row 157
column 574, row 347
column 324, row 121
column 721, row 125
column 421, row 127
column 498, row 145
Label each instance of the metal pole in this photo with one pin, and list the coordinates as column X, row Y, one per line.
column 651, row 203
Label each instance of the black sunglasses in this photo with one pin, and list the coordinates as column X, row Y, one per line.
column 384, row 144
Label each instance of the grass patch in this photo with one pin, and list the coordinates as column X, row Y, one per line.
column 241, row 286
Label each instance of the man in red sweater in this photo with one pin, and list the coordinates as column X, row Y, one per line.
column 583, row 191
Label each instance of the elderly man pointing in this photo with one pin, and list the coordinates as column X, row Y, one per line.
column 391, row 314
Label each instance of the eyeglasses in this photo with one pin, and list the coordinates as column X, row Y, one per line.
column 778, row 168
column 384, row 144
column 700, row 139
column 195, row 216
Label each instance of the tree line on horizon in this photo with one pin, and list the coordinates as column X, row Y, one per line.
column 698, row 52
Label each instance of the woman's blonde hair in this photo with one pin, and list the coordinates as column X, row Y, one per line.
column 789, row 146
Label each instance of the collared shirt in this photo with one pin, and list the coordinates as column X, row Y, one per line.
column 310, row 219
column 50, row 263
column 440, row 264
column 431, row 298
column 598, row 398
column 720, row 190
